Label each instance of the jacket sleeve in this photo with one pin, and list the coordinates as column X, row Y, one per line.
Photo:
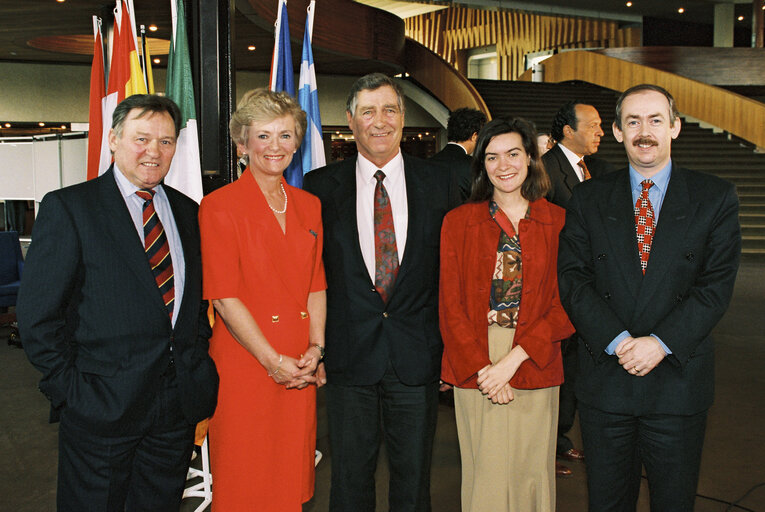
column 463, row 349
column 705, row 302
column 47, row 286
column 542, row 335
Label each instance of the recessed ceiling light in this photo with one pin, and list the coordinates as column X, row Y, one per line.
column 628, row 4
column 63, row 127
column 153, row 28
column 155, row 60
column 681, row 10
column 40, row 124
column 7, row 125
column 740, row 18
column 61, row 1
column 251, row 47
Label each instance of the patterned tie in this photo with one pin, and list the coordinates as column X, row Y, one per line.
column 585, row 170
column 158, row 250
column 386, row 252
column 644, row 224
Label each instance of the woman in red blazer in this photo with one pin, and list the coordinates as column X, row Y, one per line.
column 501, row 322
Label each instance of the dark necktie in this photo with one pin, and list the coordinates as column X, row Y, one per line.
column 386, row 252
column 157, row 250
column 644, row 224
column 585, row 170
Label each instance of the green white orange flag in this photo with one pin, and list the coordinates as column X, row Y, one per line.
column 186, row 171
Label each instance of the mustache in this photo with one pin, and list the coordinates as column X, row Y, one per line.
column 644, row 141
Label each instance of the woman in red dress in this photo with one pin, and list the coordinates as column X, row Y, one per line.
column 261, row 253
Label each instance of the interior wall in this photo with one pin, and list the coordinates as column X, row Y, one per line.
column 56, row 92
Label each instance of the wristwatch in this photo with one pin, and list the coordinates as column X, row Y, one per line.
column 321, row 351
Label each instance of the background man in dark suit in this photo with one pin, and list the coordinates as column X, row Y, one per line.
column 122, row 347
column 647, row 263
column 576, row 127
column 383, row 354
column 462, row 132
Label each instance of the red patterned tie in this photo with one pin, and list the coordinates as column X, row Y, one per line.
column 644, row 224
column 386, row 252
column 585, row 170
column 158, row 250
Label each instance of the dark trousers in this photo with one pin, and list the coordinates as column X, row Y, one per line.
column 142, row 472
column 408, row 416
column 567, row 404
column 668, row 446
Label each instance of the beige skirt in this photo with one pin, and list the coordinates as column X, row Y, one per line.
column 507, row 451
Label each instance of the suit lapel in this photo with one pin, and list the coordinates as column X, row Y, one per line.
column 344, row 199
column 569, row 175
column 674, row 218
column 416, row 201
column 119, row 228
column 619, row 222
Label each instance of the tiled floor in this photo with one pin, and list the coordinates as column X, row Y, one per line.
column 733, row 462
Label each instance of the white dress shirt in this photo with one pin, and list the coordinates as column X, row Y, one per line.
column 395, row 185
column 162, row 207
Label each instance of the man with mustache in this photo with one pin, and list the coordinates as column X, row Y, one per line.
column 576, row 127
column 647, row 263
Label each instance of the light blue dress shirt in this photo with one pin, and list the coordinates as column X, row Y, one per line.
column 656, row 196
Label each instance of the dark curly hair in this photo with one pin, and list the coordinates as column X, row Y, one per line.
column 463, row 123
column 537, row 182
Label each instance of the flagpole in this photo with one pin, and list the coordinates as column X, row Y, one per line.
column 144, row 64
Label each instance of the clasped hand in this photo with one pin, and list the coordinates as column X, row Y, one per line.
column 299, row 373
column 638, row 356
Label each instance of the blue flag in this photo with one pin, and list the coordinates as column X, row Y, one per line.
column 313, row 146
column 283, row 79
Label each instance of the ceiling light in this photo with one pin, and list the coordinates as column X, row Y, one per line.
column 681, row 10
column 61, row 1
column 155, row 60
column 40, row 124
column 7, row 125
column 251, row 47
column 628, row 4
column 740, row 18
column 63, row 127
column 153, row 28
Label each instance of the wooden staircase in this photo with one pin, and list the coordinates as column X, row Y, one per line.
column 696, row 148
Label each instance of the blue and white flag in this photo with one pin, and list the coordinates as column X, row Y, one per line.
column 313, row 146
column 283, row 79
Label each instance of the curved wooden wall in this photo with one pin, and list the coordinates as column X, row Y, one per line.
column 731, row 112
column 515, row 33
column 441, row 79
column 716, row 66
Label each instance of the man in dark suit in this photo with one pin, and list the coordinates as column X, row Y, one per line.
column 382, row 214
column 576, row 128
column 118, row 328
column 647, row 263
column 462, row 132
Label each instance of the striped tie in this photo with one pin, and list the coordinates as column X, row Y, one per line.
column 158, row 250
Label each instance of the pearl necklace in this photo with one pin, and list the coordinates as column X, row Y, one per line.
column 285, row 201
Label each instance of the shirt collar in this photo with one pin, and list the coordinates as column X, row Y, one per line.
column 458, row 145
column 660, row 179
column 572, row 157
column 393, row 170
column 128, row 189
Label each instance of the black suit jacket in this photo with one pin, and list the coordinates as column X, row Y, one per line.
column 363, row 332
column 455, row 158
column 684, row 293
column 563, row 177
column 92, row 318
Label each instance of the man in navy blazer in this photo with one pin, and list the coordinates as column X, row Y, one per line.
column 383, row 357
column 462, row 131
column 128, row 372
column 645, row 357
